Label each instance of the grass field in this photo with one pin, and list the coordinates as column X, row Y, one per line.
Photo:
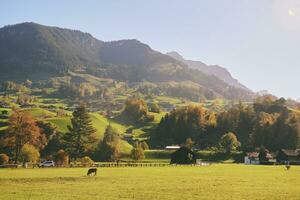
column 219, row 181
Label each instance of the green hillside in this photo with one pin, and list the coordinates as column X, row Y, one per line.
column 39, row 53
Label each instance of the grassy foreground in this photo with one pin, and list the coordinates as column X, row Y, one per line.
column 220, row 181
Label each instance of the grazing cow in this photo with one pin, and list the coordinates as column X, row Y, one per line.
column 92, row 172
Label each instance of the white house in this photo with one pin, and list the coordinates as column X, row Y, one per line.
column 252, row 158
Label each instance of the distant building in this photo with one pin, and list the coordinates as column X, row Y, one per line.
column 253, row 158
column 289, row 155
column 175, row 147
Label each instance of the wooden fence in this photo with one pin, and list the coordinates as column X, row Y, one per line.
column 132, row 164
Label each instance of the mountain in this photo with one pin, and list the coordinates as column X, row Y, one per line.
column 215, row 70
column 38, row 52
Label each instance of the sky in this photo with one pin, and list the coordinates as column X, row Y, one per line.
column 256, row 40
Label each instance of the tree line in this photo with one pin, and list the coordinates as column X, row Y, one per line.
column 26, row 140
column 267, row 122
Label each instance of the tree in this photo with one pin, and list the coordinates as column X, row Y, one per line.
column 29, row 154
column 3, row 159
column 62, row 158
column 86, row 161
column 137, row 110
column 189, row 143
column 262, row 154
column 155, row 108
column 229, row 142
column 22, row 130
column 137, row 152
column 181, row 123
column 144, row 145
column 80, row 139
column 53, row 137
column 277, row 131
column 109, row 147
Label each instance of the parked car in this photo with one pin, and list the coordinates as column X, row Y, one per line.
column 47, row 163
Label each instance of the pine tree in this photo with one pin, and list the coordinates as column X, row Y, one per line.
column 109, row 147
column 81, row 137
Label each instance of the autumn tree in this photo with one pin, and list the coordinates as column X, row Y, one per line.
column 62, row 158
column 22, row 130
column 3, row 158
column 144, row 145
column 277, row 131
column 80, row 139
column 137, row 152
column 189, row 143
column 29, row 154
column 109, row 147
column 137, row 110
column 86, row 161
column 229, row 142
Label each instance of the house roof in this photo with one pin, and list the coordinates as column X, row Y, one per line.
column 256, row 155
column 172, row 147
column 270, row 156
column 253, row 154
column 290, row 152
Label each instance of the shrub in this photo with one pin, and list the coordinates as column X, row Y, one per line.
column 3, row 158
column 4, row 112
column 86, row 161
column 29, row 154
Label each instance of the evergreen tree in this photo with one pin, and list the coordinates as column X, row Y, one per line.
column 109, row 147
column 81, row 137
column 262, row 154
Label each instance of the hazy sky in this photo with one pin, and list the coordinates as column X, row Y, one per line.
column 258, row 41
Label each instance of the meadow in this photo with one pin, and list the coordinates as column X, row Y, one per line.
column 218, row 181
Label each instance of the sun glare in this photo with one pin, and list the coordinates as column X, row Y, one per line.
column 291, row 12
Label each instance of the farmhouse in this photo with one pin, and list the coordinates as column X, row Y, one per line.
column 252, row 158
column 183, row 156
column 284, row 155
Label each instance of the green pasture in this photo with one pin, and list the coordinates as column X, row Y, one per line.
column 219, row 181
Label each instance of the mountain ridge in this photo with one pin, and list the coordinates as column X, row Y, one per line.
column 34, row 51
column 216, row 70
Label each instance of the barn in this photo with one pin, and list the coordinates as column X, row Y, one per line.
column 183, row 155
column 288, row 155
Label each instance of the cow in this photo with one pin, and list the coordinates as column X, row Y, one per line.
column 92, row 172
